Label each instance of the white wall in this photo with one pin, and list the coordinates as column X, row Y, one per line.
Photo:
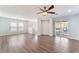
column 5, row 26
column 74, row 27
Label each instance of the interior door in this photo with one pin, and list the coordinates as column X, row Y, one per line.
column 45, row 27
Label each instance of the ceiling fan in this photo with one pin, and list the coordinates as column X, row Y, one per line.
column 46, row 10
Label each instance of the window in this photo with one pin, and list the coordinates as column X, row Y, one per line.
column 13, row 26
column 20, row 26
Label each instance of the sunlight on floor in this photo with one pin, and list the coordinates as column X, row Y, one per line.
column 16, row 41
column 62, row 43
column 35, row 39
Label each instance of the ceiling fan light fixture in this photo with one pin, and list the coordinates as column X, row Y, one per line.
column 45, row 13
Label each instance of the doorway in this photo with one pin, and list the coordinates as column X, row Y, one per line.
column 61, row 28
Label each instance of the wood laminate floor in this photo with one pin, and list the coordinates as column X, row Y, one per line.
column 26, row 43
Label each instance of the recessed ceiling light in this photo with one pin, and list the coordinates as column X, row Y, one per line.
column 69, row 11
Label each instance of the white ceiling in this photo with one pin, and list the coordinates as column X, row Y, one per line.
column 27, row 12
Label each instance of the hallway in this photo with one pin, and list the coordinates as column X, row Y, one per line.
column 27, row 43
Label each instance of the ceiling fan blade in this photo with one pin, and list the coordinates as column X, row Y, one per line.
column 41, row 9
column 51, row 12
column 39, row 12
column 51, row 7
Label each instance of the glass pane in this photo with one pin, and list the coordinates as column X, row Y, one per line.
column 21, row 26
column 13, row 26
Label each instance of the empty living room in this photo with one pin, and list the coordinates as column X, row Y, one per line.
column 39, row 28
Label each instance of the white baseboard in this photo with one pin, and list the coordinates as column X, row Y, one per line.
column 12, row 34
